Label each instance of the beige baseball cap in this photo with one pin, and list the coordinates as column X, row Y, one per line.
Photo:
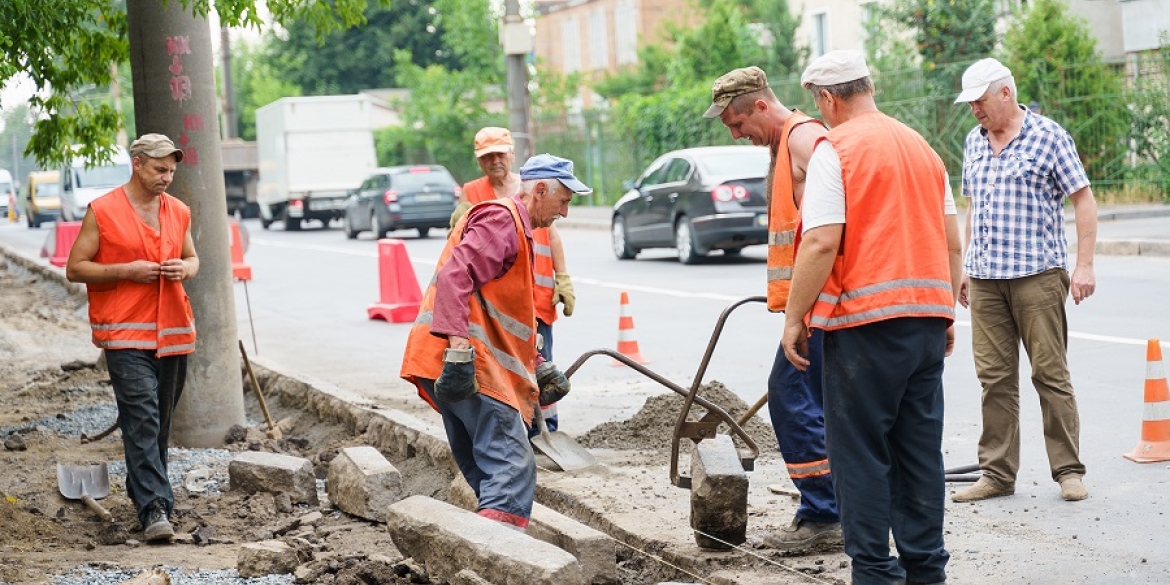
column 834, row 68
column 979, row 76
column 155, row 146
column 492, row 139
column 732, row 85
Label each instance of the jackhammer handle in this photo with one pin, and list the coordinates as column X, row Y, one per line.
column 97, row 508
column 743, row 420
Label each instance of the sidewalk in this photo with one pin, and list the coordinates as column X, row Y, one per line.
column 1122, row 230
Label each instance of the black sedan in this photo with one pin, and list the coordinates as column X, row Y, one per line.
column 695, row 200
column 404, row 197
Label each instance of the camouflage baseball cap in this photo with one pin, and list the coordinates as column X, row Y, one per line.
column 734, row 84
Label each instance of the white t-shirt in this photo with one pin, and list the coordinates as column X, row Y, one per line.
column 824, row 190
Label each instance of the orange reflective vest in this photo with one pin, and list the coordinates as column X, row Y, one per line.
column 783, row 219
column 480, row 190
column 501, row 328
column 893, row 260
column 131, row 315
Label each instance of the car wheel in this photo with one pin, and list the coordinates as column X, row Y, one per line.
column 291, row 224
column 621, row 240
column 376, row 226
column 350, row 232
column 684, row 242
column 424, row 232
column 264, row 223
column 733, row 252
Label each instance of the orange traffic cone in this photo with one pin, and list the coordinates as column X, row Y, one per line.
column 400, row 296
column 1155, row 443
column 240, row 269
column 627, row 345
column 60, row 241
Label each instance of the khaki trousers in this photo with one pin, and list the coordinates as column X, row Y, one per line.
column 1004, row 313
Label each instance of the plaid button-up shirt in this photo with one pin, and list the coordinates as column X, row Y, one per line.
column 1017, row 199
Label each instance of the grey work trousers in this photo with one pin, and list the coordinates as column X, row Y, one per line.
column 1004, row 313
column 147, row 389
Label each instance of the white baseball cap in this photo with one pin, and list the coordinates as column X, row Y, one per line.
column 979, row 76
column 835, row 67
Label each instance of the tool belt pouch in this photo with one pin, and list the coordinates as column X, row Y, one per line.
column 457, row 381
column 552, row 383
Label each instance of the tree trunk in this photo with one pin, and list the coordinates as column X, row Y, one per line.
column 174, row 94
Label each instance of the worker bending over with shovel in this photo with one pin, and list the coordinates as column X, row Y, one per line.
column 472, row 352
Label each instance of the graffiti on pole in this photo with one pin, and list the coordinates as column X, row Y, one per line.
column 181, row 91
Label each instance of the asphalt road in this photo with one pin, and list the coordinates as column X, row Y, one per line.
column 308, row 305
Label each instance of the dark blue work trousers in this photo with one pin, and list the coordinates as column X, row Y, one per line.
column 883, row 422
column 146, row 389
column 490, row 445
column 796, row 405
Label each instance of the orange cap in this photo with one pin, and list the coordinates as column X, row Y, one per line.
column 492, row 139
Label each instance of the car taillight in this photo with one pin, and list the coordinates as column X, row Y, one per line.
column 458, row 191
column 729, row 192
column 390, row 196
column 419, row 170
column 296, row 203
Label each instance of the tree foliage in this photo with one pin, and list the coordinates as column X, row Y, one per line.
column 66, row 46
column 361, row 57
column 447, row 106
column 256, row 83
column 1053, row 56
column 948, row 34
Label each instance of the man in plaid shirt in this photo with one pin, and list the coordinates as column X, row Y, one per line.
column 1018, row 167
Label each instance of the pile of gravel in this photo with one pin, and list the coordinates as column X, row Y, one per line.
column 95, row 575
column 653, row 427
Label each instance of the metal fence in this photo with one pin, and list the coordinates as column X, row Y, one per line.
column 1123, row 137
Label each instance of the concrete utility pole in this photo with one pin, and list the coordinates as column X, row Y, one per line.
column 517, row 41
column 174, row 94
column 230, row 118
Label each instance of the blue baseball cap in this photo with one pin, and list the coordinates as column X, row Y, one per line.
column 547, row 166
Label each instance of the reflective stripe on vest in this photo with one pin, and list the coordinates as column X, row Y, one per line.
column 893, row 260
column 477, row 332
column 807, row 470
column 783, row 218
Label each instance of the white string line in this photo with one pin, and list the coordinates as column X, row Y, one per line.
column 663, row 561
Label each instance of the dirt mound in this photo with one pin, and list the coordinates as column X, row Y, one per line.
column 653, row 426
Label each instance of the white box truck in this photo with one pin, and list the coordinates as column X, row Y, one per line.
column 312, row 152
column 82, row 182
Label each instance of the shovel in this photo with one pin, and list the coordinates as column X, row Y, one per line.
column 88, row 483
column 561, row 448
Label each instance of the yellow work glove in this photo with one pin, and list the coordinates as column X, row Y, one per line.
column 563, row 293
column 459, row 211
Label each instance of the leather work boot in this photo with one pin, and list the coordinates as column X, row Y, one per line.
column 803, row 535
column 1072, row 489
column 982, row 489
column 158, row 527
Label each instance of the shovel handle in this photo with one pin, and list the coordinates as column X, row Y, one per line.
column 743, row 420
column 97, row 508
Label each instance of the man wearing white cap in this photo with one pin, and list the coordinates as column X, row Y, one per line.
column 1018, row 167
column 883, row 292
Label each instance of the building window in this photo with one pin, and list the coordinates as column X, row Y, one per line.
column 598, row 40
column 625, row 20
column 819, row 38
column 571, row 45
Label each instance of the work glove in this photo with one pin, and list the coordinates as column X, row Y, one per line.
column 552, row 383
column 459, row 211
column 457, row 382
column 563, row 293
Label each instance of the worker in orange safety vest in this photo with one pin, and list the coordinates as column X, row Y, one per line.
column 878, row 271
column 746, row 105
column 133, row 252
column 495, row 153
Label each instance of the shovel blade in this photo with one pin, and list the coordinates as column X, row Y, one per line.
column 564, row 451
column 76, row 481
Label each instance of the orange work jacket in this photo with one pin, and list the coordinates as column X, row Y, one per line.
column 893, row 260
column 783, row 219
column 130, row 315
column 501, row 328
column 480, row 190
